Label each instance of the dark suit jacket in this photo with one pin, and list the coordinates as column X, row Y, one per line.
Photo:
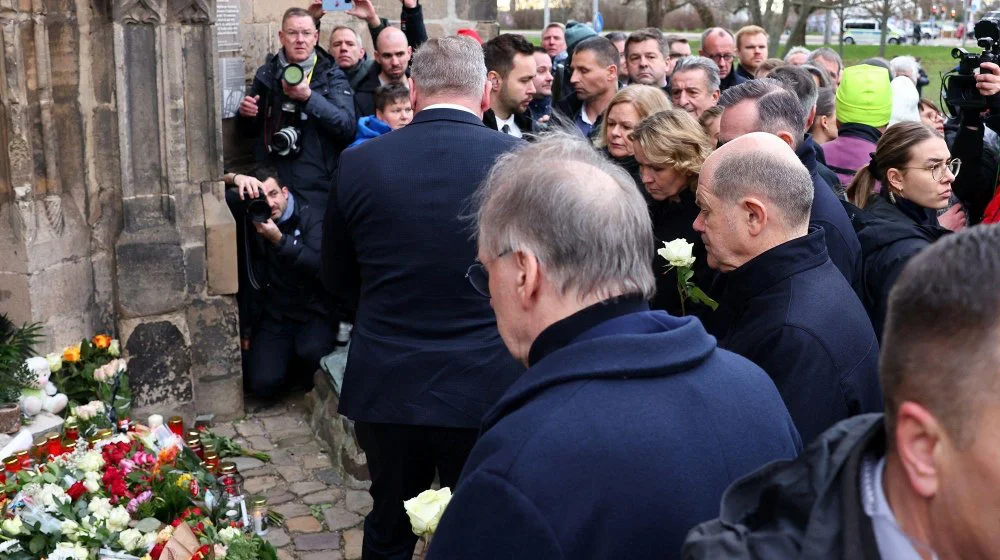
column 640, row 394
column 522, row 120
column 425, row 348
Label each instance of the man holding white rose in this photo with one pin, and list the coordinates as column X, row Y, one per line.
column 629, row 423
column 789, row 309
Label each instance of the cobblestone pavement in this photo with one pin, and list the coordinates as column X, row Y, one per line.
column 323, row 516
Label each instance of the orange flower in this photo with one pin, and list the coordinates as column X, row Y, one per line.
column 101, row 341
column 71, row 354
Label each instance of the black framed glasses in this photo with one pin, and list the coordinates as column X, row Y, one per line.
column 727, row 57
column 480, row 278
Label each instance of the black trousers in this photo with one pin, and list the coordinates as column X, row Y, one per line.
column 284, row 354
column 402, row 460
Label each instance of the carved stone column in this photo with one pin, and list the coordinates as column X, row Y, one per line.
column 182, row 339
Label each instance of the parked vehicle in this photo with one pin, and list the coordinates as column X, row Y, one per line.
column 869, row 31
column 930, row 30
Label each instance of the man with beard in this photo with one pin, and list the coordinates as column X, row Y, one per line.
column 510, row 71
column 392, row 55
column 541, row 104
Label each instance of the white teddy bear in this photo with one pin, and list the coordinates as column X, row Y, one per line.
column 44, row 396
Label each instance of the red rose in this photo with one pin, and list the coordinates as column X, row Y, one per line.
column 157, row 551
column 76, row 490
column 176, row 523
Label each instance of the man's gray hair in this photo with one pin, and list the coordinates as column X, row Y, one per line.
column 576, row 211
column 826, row 53
column 799, row 81
column 450, row 65
column 905, row 66
column 706, row 65
column 777, row 108
column 786, row 184
column 796, row 50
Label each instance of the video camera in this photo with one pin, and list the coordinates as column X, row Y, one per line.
column 960, row 86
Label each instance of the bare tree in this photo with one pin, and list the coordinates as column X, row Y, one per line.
column 656, row 9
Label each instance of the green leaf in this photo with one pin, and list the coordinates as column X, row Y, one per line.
column 695, row 293
column 37, row 544
column 49, row 477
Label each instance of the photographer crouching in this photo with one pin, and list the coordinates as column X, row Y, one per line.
column 300, row 110
column 290, row 327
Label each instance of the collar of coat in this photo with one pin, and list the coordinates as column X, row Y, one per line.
column 595, row 354
column 775, row 265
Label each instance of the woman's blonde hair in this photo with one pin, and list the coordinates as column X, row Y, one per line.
column 894, row 150
column 645, row 99
column 673, row 137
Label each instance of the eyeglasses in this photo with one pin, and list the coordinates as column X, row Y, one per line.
column 954, row 165
column 480, row 278
column 728, row 57
column 297, row 34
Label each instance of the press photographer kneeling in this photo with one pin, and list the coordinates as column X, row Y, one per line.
column 290, row 328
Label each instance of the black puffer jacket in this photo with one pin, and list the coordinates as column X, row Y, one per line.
column 327, row 123
column 809, row 507
column 888, row 242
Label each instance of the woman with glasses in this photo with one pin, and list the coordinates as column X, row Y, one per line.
column 670, row 147
column 627, row 109
column 916, row 171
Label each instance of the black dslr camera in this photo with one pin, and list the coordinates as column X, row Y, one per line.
column 960, row 86
column 285, row 142
column 258, row 210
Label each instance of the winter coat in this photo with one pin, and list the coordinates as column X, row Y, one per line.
column 369, row 127
column 851, row 150
column 327, row 125
column 621, row 436
column 888, row 240
column 809, row 507
column 827, row 212
column 796, row 317
column 292, row 290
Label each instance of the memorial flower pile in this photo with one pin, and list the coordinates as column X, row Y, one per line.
column 135, row 495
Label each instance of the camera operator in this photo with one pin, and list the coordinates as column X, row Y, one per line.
column 301, row 111
column 291, row 329
column 976, row 184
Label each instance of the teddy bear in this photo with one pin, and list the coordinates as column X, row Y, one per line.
column 44, row 396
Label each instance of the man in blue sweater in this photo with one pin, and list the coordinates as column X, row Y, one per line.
column 629, row 423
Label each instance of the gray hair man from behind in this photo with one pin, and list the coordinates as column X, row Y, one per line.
column 799, row 81
column 449, row 70
column 761, row 106
column 905, row 66
column 575, row 214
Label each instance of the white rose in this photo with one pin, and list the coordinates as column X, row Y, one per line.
column 115, row 348
column 131, row 539
column 677, row 252
column 150, row 540
column 426, row 509
column 221, row 551
column 165, row 534
column 99, row 507
column 12, row 527
column 69, row 551
column 69, row 529
column 228, row 534
column 52, row 497
column 118, row 519
column 91, row 462
column 55, row 361
column 92, row 482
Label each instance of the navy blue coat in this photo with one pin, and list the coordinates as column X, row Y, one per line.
column 795, row 316
column 828, row 212
column 425, row 348
column 614, row 443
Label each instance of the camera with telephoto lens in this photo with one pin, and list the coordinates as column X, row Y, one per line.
column 258, row 210
column 960, row 86
column 285, row 142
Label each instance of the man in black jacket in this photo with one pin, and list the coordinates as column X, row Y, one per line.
column 791, row 312
column 510, row 71
column 594, row 80
column 920, row 482
column 426, row 361
column 300, row 128
column 765, row 106
column 293, row 330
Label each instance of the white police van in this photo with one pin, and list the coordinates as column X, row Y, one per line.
column 869, row 31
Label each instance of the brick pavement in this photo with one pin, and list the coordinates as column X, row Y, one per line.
column 323, row 514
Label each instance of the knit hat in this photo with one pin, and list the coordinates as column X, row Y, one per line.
column 576, row 32
column 905, row 101
column 864, row 96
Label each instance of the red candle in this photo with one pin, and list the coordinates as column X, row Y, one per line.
column 54, row 444
column 176, row 425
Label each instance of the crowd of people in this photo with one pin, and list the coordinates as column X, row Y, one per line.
column 487, row 217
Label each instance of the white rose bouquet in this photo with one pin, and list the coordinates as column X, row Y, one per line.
column 678, row 254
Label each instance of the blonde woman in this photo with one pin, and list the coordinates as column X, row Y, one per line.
column 626, row 110
column 670, row 147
